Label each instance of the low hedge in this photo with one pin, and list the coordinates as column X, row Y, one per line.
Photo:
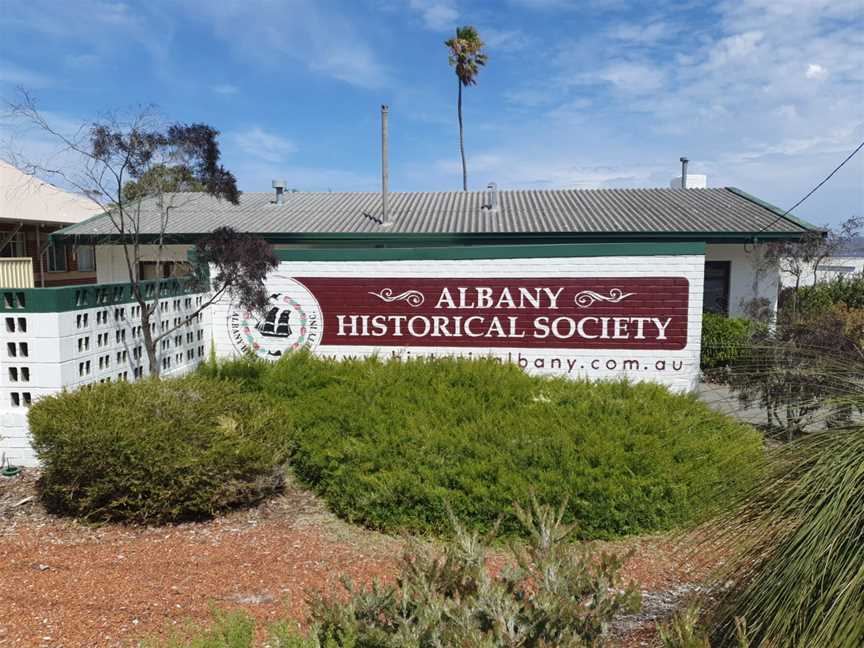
column 724, row 340
column 156, row 451
column 391, row 445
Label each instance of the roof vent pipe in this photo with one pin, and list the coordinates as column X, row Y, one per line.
column 279, row 186
column 385, row 163
column 493, row 197
column 684, row 162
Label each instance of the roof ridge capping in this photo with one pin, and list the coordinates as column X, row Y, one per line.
column 800, row 222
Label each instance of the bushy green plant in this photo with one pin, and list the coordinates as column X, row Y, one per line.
column 233, row 629
column 247, row 370
column 156, row 451
column 683, row 630
column 724, row 340
column 800, row 572
column 553, row 593
column 390, row 444
column 843, row 289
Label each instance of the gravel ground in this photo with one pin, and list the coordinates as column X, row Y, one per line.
column 68, row 585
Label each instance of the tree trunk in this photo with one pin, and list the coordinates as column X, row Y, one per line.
column 461, row 136
column 149, row 341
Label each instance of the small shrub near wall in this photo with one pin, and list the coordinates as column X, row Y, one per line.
column 724, row 340
column 156, row 451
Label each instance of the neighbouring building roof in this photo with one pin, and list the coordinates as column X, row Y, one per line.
column 704, row 214
column 27, row 199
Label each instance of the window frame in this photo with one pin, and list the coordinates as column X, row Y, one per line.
column 91, row 249
column 17, row 245
column 51, row 253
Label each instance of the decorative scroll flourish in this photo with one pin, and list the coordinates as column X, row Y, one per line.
column 414, row 297
column 586, row 298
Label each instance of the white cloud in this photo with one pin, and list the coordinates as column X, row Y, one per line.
column 532, row 96
column 505, row 40
column 20, row 76
column 324, row 39
column 225, row 89
column 82, row 60
column 643, row 33
column 537, row 169
column 438, row 15
column 734, row 49
column 259, row 144
column 816, row 71
column 633, row 77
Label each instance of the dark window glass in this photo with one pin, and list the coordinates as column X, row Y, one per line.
column 56, row 258
column 716, row 297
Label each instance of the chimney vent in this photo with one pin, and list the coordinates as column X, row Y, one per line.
column 385, row 163
column 279, row 186
column 492, row 205
column 684, row 162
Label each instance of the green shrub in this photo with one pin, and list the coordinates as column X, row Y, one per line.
column 156, row 451
column 234, row 629
column 246, row 371
column 391, row 444
column 843, row 289
column 724, row 340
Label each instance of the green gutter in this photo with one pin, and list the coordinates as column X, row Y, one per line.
column 372, row 239
column 776, row 210
column 491, row 252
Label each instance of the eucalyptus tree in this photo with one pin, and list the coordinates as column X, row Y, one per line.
column 140, row 170
column 466, row 56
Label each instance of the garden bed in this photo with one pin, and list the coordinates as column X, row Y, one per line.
column 109, row 585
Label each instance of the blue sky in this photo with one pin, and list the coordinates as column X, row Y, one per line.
column 765, row 95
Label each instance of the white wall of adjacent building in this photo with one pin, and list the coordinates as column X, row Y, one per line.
column 111, row 266
column 746, row 280
column 828, row 269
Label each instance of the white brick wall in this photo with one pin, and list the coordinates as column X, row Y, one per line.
column 73, row 348
column 588, row 363
column 745, row 283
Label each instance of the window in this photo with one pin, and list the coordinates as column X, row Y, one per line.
column 86, row 258
column 56, row 258
column 147, row 269
column 16, row 247
column 716, row 295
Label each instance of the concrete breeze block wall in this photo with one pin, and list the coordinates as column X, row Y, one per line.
column 98, row 340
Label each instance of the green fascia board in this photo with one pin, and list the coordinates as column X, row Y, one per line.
column 776, row 210
column 490, row 252
column 69, row 230
column 86, row 296
column 374, row 239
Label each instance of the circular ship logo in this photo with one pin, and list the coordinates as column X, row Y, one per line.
column 291, row 320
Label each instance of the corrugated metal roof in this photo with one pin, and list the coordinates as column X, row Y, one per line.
column 582, row 211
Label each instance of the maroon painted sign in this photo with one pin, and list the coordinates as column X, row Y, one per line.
column 572, row 313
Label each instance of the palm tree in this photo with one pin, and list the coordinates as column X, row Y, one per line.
column 466, row 57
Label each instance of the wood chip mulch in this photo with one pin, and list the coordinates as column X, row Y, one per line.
column 67, row 585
